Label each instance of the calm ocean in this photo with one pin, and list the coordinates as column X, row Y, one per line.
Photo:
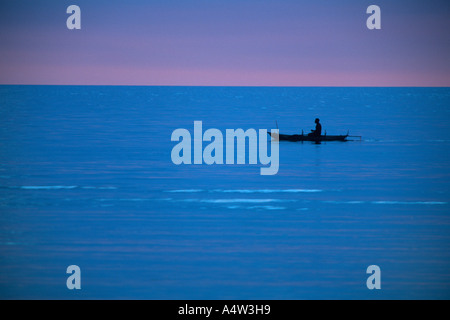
column 86, row 178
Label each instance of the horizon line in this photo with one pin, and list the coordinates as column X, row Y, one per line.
column 231, row 86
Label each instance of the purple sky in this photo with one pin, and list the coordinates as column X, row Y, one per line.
column 227, row 42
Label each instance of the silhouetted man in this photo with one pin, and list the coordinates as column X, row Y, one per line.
column 318, row 131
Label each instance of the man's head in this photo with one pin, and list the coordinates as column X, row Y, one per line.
column 317, row 120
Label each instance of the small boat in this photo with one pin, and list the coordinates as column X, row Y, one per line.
column 302, row 137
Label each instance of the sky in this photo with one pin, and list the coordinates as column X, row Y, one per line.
column 226, row 43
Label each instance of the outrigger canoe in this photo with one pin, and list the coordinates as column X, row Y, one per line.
column 302, row 137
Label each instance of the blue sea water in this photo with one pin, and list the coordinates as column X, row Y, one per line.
column 86, row 178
